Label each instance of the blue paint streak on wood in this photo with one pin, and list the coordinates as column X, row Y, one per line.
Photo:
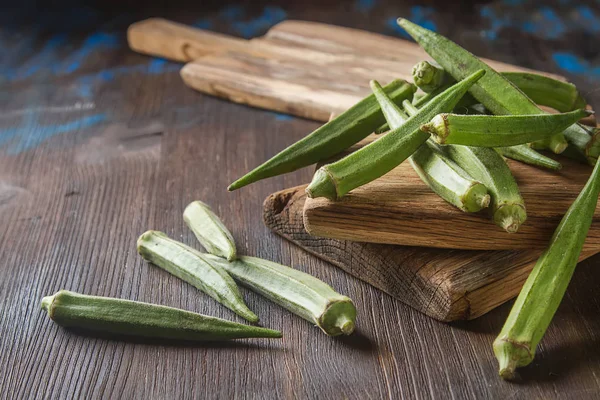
column 30, row 135
column 44, row 58
column 576, row 65
column 203, row 24
column 364, row 6
column 232, row 13
column 256, row 26
column 95, row 42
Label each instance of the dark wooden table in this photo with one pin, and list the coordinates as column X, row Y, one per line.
column 98, row 144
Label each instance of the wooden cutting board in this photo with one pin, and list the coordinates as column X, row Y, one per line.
column 447, row 285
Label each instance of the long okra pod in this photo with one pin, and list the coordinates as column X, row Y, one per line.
column 374, row 160
column 133, row 318
column 498, row 130
column 438, row 171
column 487, row 166
column 543, row 90
column 546, row 285
column 528, row 155
column 190, row 265
column 209, row 230
column 494, row 91
column 298, row 292
column 347, row 129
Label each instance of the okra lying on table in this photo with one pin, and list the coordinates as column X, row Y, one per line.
column 133, row 318
column 543, row 90
column 377, row 158
column 439, row 172
column 347, row 129
column 498, row 130
column 209, row 230
column 296, row 291
column 545, row 287
column 494, row 91
column 191, row 266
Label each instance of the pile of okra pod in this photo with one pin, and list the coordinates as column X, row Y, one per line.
column 456, row 135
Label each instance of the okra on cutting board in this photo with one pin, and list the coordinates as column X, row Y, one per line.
column 456, row 136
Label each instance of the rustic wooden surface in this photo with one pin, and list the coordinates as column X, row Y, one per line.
column 98, row 146
column 448, row 285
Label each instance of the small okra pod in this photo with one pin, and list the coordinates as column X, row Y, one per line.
column 494, row 91
column 545, row 287
column 134, row 318
column 498, row 130
column 528, row 155
column 209, row 230
column 428, row 76
column 349, row 128
column 436, row 169
column 296, row 291
column 378, row 158
column 193, row 267
column 488, row 167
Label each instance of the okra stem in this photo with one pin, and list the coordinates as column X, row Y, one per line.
column 133, row 318
column 494, row 91
column 545, row 287
column 498, row 131
column 298, row 292
column 374, row 160
column 347, row 129
column 427, row 76
column 191, row 266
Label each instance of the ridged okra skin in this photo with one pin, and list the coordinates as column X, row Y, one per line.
column 133, row 318
column 494, row 91
column 210, row 231
column 350, row 127
column 488, row 167
column 296, row 291
column 545, row 287
column 436, row 169
column 191, row 266
column 498, row 130
column 376, row 159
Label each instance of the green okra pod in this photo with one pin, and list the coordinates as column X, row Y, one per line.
column 347, row 129
column 296, row 291
column 498, row 130
column 191, row 266
column 209, row 230
column 528, row 155
column 494, row 91
column 437, row 170
column 134, row 318
column 376, row 159
column 543, row 90
column 545, row 287
column 488, row 167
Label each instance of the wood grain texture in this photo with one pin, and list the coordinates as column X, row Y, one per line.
column 399, row 208
column 448, row 285
column 72, row 206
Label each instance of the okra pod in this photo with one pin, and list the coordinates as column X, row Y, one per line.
column 296, row 291
column 209, row 230
column 494, row 91
column 545, row 287
column 543, row 90
column 498, row 131
column 528, row 155
column 133, row 318
column 488, row 167
column 347, row 129
column 191, row 266
column 374, row 160
column 437, row 170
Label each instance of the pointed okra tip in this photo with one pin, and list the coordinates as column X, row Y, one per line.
column 375, row 86
column 322, row 185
